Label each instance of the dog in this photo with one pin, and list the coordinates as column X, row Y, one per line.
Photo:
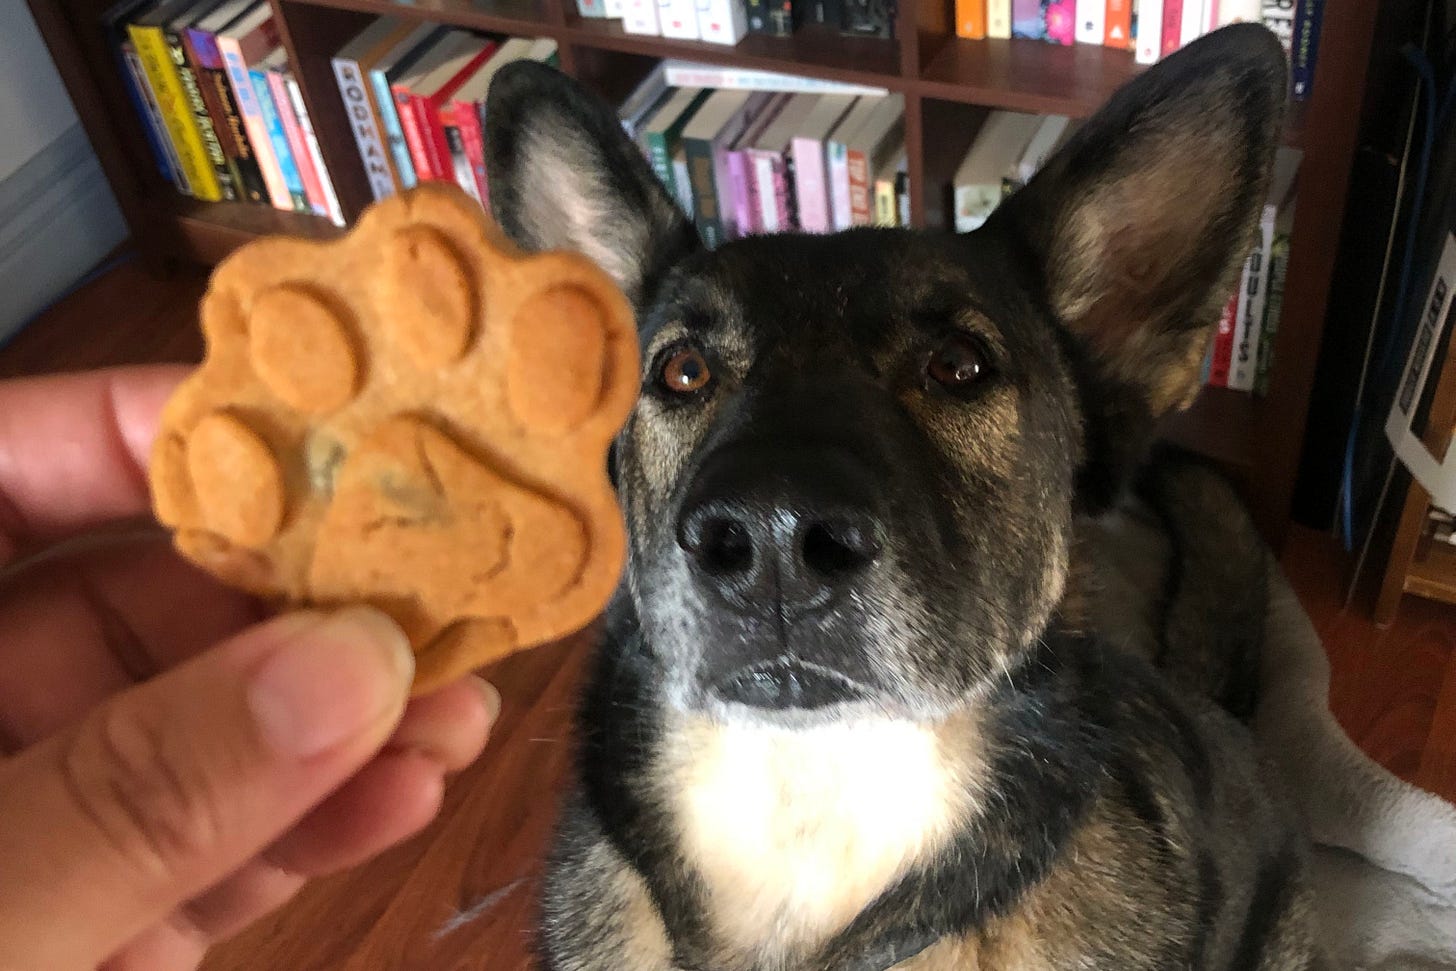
column 849, row 711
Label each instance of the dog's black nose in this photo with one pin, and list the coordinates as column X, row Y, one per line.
column 772, row 539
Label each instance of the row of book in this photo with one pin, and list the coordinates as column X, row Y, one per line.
column 729, row 21
column 1152, row 29
column 219, row 102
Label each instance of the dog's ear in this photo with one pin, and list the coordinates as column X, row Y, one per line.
column 1141, row 224
column 564, row 175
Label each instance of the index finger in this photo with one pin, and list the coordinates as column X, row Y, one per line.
column 73, row 451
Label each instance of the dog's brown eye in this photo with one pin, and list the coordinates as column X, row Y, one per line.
column 958, row 364
column 684, row 371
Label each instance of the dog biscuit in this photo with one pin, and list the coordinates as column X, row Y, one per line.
column 416, row 416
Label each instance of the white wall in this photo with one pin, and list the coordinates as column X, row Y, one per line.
column 57, row 215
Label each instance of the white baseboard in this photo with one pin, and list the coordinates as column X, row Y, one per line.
column 58, row 219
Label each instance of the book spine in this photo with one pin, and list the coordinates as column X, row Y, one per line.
column 763, row 191
column 298, row 201
column 970, row 18
column 382, row 183
column 460, row 162
column 253, row 122
column 678, row 19
column 1059, row 22
column 1278, row 16
column 409, row 120
column 432, row 130
column 591, row 8
column 657, row 153
column 1091, row 21
column 1223, row 345
column 785, row 205
column 809, row 187
column 1172, row 27
column 1119, row 25
column 312, row 188
column 1027, row 20
column 199, row 178
column 219, row 96
column 393, row 130
column 902, row 197
column 613, row 9
column 467, row 120
column 1149, row 31
column 640, row 17
column 998, row 19
column 1273, row 308
column 722, row 21
column 742, row 194
column 886, row 205
column 1251, row 315
column 836, row 156
column 333, row 210
column 681, row 182
column 1307, row 17
column 147, row 107
column 680, row 74
column 1210, row 15
column 858, row 168
column 706, row 214
column 1190, row 27
column 201, row 117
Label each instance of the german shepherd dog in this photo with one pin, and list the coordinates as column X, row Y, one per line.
column 848, row 713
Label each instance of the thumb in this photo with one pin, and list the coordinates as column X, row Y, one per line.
column 165, row 789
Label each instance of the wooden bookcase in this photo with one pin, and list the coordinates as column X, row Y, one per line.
column 945, row 80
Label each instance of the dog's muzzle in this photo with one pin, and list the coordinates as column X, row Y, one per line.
column 787, row 683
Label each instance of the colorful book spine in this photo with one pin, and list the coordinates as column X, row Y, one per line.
column 1273, row 308
column 1278, row 16
column 836, row 168
column 1026, row 19
column 201, row 117
column 218, row 93
column 283, row 105
column 463, row 172
column 394, row 133
column 278, row 139
column 686, row 74
column 1119, row 25
column 772, row 17
column 1149, row 32
column 1192, row 26
column 1091, row 21
column 156, row 128
column 200, row 180
column 886, row 204
column 254, row 123
column 771, row 182
column 706, row 214
column 1223, row 345
column 1172, row 27
column 1307, row 19
column 1059, row 22
column 998, row 19
column 466, row 118
column 857, row 166
column 1253, row 296
column 745, row 203
column 367, row 136
column 970, row 19
column 681, row 182
column 678, row 19
column 420, row 151
column 332, row 209
column 811, row 190
column 902, row 198
column 660, row 155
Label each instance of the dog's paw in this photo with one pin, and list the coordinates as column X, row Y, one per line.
column 414, row 416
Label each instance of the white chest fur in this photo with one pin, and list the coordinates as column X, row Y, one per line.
column 796, row 831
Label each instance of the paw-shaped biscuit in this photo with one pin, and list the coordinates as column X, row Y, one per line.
column 414, row 416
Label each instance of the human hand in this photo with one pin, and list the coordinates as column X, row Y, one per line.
column 171, row 768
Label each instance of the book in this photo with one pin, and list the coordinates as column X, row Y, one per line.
column 259, row 76
column 1172, row 27
column 1236, row 12
column 686, row 74
column 1249, row 317
column 825, row 13
column 714, row 122
column 1052, row 132
column 746, row 205
column 772, row 17
column 682, row 184
column 1278, row 16
column 1191, row 24
column 1273, row 307
column 902, row 196
column 138, row 90
column 979, row 183
column 614, row 9
column 769, row 156
column 1026, row 19
column 433, row 93
column 811, row 181
column 998, row 19
column 640, row 17
column 592, row 8
column 650, row 92
column 1221, row 356
column 887, row 202
column 678, row 19
column 170, row 166
column 274, row 66
column 1149, row 40
column 730, row 169
column 663, row 130
column 468, row 107
column 867, row 18
column 243, row 45
column 217, row 92
column 722, row 21
column 148, row 35
column 332, row 209
column 1305, row 51
column 877, row 139
column 1059, row 22
column 350, row 63
column 393, row 65
column 175, row 34
column 970, row 19
column 445, row 52
column 1119, row 24
column 836, row 162
column 1091, row 21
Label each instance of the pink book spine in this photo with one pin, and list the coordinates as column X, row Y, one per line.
column 760, row 170
column 468, row 122
column 861, row 212
column 744, row 203
column 783, row 208
column 312, row 187
column 1172, row 26
column 247, row 100
column 809, row 185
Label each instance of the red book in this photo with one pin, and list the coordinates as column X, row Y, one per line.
column 429, row 161
column 1118, row 29
column 1223, row 345
column 463, row 116
column 1172, row 26
column 432, row 93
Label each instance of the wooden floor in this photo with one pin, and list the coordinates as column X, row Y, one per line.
column 458, row 898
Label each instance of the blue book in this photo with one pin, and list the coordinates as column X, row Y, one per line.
column 1307, row 19
column 391, row 66
column 279, row 139
column 114, row 21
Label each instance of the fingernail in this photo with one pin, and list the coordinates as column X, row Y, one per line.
column 331, row 681
column 490, row 694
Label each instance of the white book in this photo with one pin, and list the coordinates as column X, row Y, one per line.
column 1190, row 28
column 722, row 21
column 980, row 181
column 1239, row 12
column 679, row 19
column 353, row 88
column 998, row 19
column 1149, row 41
column 310, row 140
column 1249, row 320
column 640, row 17
column 612, row 8
column 687, row 74
column 1050, row 134
column 682, row 181
column 1091, row 21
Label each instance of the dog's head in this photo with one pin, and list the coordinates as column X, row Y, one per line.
column 851, row 477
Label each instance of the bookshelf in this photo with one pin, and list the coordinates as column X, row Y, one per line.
column 944, row 79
